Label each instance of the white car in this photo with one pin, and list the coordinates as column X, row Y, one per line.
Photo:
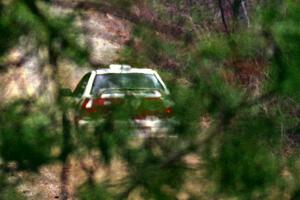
column 123, row 93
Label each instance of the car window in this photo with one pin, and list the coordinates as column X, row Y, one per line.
column 126, row 81
column 82, row 85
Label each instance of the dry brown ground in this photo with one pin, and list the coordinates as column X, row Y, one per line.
column 47, row 183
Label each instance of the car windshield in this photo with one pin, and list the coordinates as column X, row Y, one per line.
column 125, row 81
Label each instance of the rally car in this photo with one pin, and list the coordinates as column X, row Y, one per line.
column 122, row 93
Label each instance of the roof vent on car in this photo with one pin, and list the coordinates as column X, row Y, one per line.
column 119, row 67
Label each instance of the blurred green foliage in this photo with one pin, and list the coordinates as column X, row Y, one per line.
column 23, row 133
column 240, row 148
column 94, row 192
column 245, row 162
column 8, row 191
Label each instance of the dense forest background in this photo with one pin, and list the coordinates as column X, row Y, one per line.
column 232, row 67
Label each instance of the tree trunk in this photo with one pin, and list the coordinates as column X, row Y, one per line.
column 220, row 4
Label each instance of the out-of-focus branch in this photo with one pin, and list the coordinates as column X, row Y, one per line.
column 193, row 146
column 127, row 191
column 53, row 58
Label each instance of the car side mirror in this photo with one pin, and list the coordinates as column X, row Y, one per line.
column 66, row 92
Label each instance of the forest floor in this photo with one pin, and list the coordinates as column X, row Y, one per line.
column 46, row 184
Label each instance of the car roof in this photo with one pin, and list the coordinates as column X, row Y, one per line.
column 117, row 68
column 132, row 70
